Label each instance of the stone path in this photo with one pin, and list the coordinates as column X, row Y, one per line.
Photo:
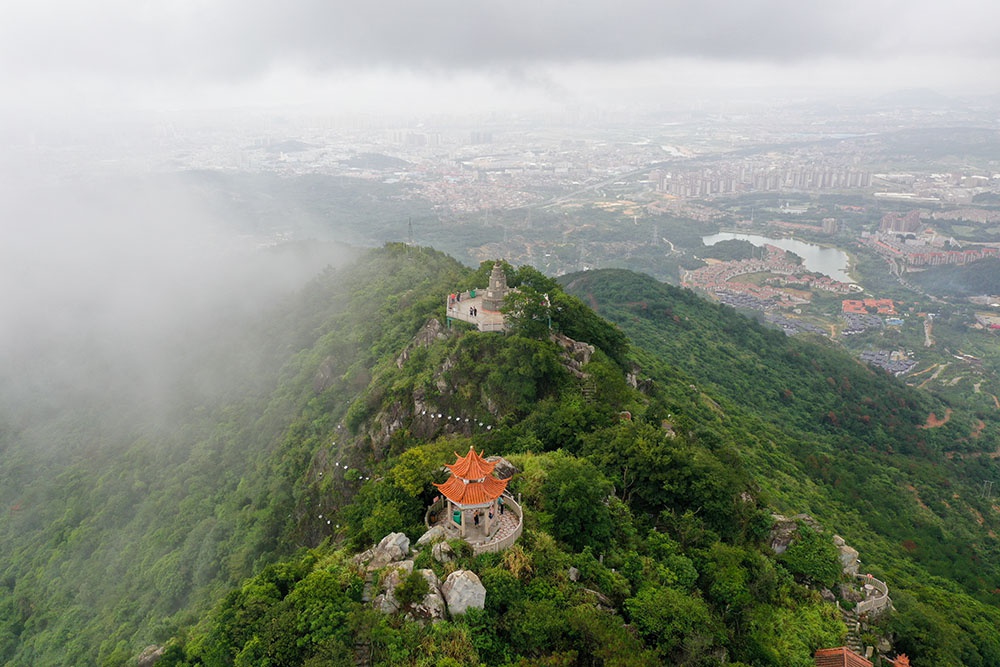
column 508, row 524
column 486, row 320
column 477, row 535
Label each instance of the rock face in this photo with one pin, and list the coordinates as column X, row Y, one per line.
column 576, row 355
column 431, row 608
column 504, row 468
column 848, row 556
column 325, row 375
column 386, row 600
column 783, row 531
column 430, row 332
column 462, row 590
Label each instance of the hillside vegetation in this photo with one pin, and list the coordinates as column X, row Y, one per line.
column 653, row 470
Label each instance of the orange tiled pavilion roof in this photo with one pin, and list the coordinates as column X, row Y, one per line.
column 471, row 466
column 472, row 481
column 472, row 493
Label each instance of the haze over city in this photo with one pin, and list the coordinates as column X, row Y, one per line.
column 739, row 270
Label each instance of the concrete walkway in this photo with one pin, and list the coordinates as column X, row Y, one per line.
column 486, row 320
column 503, row 525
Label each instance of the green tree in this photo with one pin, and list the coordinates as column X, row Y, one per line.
column 812, row 558
column 412, row 588
column 527, row 312
column 677, row 623
column 575, row 496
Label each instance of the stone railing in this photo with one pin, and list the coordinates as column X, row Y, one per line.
column 434, row 509
column 490, row 546
column 876, row 597
column 491, row 326
column 493, row 546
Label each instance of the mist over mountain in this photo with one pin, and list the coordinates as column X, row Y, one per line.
column 118, row 292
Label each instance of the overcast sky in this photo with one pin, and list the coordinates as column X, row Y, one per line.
column 370, row 54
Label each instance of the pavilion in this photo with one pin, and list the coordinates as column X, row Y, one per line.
column 473, row 489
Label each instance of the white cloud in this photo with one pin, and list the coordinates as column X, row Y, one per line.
column 183, row 53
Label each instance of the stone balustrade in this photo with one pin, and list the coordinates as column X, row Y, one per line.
column 495, row 543
column 877, row 597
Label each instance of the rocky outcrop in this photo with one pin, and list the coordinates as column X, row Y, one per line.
column 392, row 548
column 435, row 534
column 504, row 468
column 783, row 534
column 150, row 656
column 386, row 601
column 430, row 332
column 848, row 555
column 575, row 355
column 432, row 608
column 442, row 552
column 325, row 375
column 783, row 531
column 462, row 591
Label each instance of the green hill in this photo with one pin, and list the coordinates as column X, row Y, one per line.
column 649, row 472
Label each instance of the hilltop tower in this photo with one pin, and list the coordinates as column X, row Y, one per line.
column 497, row 290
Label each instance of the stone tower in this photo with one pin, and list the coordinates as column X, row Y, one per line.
column 497, row 290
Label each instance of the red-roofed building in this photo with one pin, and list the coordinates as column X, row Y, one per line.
column 863, row 306
column 472, row 491
column 840, row 657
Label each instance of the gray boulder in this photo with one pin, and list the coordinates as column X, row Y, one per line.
column 386, row 601
column 442, row 552
column 462, row 590
column 435, row 534
column 395, row 543
column 504, row 468
column 432, row 607
column 392, row 548
column 150, row 656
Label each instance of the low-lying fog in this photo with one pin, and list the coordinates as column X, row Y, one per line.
column 129, row 296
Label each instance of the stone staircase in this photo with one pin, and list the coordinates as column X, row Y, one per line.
column 853, row 640
column 362, row 654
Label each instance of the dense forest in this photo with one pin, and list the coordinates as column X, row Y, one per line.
column 224, row 533
column 960, row 281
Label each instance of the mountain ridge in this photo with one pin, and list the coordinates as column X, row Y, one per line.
column 670, row 528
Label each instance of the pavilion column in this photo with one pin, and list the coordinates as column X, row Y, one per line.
column 464, row 521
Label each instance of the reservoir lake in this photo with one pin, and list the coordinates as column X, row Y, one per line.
column 828, row 261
